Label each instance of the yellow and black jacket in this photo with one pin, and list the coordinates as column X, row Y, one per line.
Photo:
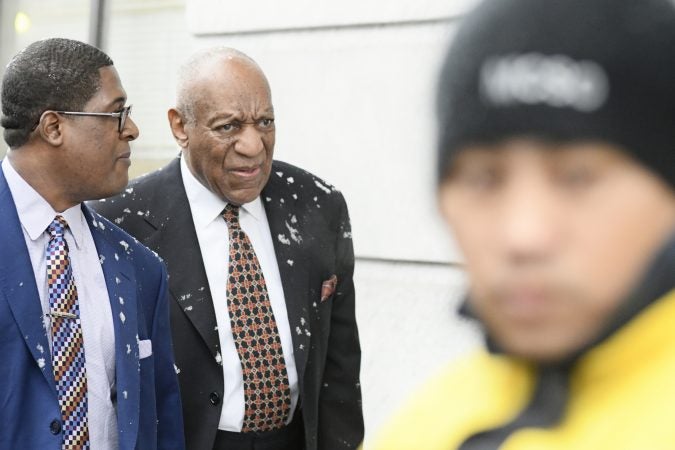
column 617, row 394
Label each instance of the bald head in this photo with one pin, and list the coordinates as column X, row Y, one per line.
column 205, row 66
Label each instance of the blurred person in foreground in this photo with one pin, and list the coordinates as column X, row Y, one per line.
column 557, row 176
column 260, row 260
column 84, row 314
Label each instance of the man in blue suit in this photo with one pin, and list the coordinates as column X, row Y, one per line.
column 84, row 319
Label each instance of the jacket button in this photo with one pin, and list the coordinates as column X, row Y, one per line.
column 55, row 426
column 214, row 398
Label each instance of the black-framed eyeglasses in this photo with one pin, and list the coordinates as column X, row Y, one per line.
column 121, row 115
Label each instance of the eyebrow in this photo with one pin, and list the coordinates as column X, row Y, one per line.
column 121, row 100
column 220, row 115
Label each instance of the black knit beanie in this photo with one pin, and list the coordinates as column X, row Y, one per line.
column 563, row 70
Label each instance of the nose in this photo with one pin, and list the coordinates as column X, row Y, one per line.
column 130, row 131
column 249, row 142
column 530, row 226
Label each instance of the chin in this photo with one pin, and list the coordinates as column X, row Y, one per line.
column 241, row 197
column 109, row 191
column 537, row 350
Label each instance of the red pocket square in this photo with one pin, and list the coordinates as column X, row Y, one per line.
column 328, row 288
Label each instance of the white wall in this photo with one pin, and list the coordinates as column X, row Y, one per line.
column 220, row 17
column 409, row 329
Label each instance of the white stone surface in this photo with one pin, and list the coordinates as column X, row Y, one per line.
column 218, row 16
column 409, row 328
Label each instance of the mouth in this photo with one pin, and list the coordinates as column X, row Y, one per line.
column 125, row 159
column 246, row 171
column 526, row 303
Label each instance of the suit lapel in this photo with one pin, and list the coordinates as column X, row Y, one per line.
column 176, row 241
column 293, row 268
column 121, row 283
column 17, row 282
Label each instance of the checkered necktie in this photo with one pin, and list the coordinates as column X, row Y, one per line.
column 267, row 393
column 67, row 342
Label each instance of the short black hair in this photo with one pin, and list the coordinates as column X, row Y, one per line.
column 52, row 74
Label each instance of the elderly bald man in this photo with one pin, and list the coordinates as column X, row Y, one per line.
column 260, row 260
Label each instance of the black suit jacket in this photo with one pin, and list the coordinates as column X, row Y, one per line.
column 310, row 228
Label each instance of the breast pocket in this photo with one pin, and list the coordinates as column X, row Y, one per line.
column 144, row 348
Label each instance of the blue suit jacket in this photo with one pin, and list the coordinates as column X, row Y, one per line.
column 148, row 400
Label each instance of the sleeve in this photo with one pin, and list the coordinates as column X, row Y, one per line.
column 167, row 393
column 340, row 410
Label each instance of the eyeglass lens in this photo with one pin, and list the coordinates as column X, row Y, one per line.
column 123, row 117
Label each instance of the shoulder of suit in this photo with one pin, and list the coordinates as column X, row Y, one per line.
column 128, row 245
column 298, row 182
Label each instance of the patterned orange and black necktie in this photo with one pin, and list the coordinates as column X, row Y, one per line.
column 266, row 388
column 67, row 342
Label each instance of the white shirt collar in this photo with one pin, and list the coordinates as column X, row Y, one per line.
column 35, row 213
column 207, row 206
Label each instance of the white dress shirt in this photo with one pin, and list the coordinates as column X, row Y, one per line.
column 35, row 215
column 214, row 243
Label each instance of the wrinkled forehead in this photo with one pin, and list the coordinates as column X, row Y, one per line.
column 234, row 75
column 229, row 86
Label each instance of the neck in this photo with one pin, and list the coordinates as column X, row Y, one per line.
column 37, row 170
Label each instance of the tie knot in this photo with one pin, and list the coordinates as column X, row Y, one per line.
column 231, row 216
column 57, row 227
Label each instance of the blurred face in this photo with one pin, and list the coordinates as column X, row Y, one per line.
column 554, row 238
column 96, row 161
column 230, row 143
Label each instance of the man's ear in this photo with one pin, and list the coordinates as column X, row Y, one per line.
column 177, row 124
column 51, row 128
